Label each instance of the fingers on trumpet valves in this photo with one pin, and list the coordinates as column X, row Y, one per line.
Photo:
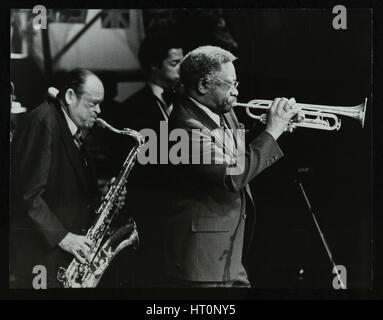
column 287, row 105
column 291, row 102
column 300, row 116
column 284, row 104
column 275, row 104
column 291, row 106
column 290, row 127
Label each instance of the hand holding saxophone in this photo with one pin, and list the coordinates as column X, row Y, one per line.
column 79, row 246
column 280, row 114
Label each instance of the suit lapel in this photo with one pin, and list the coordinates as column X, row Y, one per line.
column 152, row 99
column 92, row 172
column 73, row 153
column 197, row 113
column 232, row 120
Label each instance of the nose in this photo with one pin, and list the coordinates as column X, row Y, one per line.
column 234, row 92
column 97, row 109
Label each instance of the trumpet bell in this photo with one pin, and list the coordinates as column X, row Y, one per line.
column 362, row 112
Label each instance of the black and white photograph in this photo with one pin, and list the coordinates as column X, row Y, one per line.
column 183, row 148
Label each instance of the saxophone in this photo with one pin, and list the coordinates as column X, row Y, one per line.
column 107, row 243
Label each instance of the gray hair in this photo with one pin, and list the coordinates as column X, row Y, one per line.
column 74, row 79
column 202, row 63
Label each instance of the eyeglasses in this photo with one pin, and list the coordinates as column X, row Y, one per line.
column 234, row 85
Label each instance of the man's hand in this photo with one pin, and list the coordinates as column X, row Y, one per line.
column 280, row 114
column 77, row 245
column 121, row 196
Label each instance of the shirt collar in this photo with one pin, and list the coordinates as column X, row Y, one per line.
column 215, row 117
column 157, row 90
column 72, row 126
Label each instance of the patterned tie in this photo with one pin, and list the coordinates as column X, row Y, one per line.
column 80, row 145
column 222, row 122
column 78, row 139
column 228, row 135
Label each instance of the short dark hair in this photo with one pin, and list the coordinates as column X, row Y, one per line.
column 75, row 80
column 202, row 63
column 154, row 48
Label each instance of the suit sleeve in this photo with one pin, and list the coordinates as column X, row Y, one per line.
column 33, row 156
column 230, row 168
column 261, row 153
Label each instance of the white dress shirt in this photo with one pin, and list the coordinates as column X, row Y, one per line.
column 224, row 136
column 158, row 91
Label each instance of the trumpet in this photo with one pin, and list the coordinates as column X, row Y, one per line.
column 312, row 116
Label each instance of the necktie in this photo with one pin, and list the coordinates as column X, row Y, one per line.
column 77, row 139
column 222, row 122
column 168, row 96
column 80, row 145
column 228, row 135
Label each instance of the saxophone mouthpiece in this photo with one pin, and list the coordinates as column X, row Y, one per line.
column 101, row 122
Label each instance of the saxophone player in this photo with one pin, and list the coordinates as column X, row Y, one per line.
column 53, row 184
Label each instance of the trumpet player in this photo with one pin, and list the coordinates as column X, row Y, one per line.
column 53, row 184
column 204, row 233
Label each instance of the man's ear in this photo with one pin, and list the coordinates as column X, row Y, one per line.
column 203, row 86
column 70, row 95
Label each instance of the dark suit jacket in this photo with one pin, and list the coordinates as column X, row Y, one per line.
column 138, row 112
column 204, row 228
column 141, row 110
column 53, row 192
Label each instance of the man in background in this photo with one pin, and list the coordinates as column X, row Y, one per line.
column 160, row 55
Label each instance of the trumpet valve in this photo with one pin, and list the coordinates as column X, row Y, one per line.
column 263, row 118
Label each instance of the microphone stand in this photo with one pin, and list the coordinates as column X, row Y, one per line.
column 320, row 232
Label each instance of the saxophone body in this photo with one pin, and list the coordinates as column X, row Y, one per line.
column 107, row 242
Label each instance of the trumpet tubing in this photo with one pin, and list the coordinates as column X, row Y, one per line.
column 312, row 116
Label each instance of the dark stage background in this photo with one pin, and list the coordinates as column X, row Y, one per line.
column 293, row 53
